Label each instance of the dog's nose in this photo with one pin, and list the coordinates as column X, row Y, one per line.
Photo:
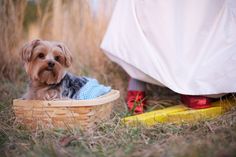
column 51, row 64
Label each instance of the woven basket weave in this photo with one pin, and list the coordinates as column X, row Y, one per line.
column 64, row 113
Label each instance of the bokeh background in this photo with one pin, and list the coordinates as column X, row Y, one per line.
column 81, row 24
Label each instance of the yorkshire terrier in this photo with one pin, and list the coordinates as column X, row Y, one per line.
column 45, row 63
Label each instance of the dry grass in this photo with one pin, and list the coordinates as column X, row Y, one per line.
column 82, row 30
column 11, row 20
column 207, row 138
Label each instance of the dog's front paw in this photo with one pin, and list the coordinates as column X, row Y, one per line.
column 51, row 95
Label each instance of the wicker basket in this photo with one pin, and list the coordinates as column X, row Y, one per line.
column 64, row 113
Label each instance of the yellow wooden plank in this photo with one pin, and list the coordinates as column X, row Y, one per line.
column 191, row 115
column 194, row 115
column 180, row 113
column 153, row 117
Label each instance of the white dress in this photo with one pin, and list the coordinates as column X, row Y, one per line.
column 188, row 46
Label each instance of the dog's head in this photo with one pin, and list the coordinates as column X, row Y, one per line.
column 45, row 61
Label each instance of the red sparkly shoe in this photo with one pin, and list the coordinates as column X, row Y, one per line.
column 196, row 102
column 136, row 101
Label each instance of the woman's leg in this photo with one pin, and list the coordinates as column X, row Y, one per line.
column 136, row 85
column 136, row 96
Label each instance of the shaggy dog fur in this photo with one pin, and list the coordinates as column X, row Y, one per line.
column 45, row 63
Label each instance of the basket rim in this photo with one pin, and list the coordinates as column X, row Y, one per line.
column 106, row 98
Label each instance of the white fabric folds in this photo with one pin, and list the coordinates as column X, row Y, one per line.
column 188, row 46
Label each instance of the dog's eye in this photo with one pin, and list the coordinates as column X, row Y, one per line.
column 41, row 56
column 57, row 58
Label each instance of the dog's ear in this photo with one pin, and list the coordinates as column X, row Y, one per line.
column 67, row 54
column 27, row 49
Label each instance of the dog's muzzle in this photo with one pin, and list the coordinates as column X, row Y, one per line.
column 51, row 64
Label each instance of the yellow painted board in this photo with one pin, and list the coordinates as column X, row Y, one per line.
column 194, row 115
column 191, row 115
column 180, row 113
column 151, row 118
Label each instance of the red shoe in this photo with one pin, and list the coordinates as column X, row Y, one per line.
column 196, row 102
column 136, row 101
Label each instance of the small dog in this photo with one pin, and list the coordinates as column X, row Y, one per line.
column 45, row 63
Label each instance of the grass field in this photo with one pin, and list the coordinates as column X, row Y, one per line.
column 82, row 29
